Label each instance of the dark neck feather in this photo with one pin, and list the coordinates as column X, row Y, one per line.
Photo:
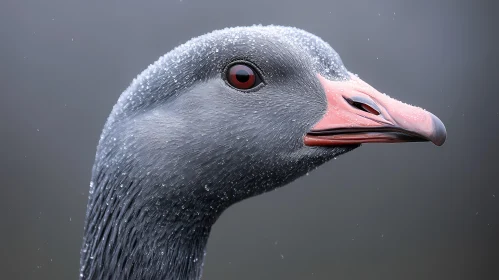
column 131, row 234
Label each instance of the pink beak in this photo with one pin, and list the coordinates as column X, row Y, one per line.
column 357, row 113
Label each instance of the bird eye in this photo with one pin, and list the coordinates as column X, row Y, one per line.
column 242, row 76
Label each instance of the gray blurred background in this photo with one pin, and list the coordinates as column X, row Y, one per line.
column 402, row 211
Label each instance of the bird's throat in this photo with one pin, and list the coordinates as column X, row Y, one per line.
column 129, row 237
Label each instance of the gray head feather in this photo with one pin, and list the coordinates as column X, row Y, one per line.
column 181, row 145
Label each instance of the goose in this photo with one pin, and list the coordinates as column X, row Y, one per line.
column 226, row 116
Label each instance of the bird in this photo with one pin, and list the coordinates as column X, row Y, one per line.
column 226, row 116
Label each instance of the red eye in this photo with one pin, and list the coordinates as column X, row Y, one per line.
column 241, row 76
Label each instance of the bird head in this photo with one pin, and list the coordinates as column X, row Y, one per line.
column 241, row 111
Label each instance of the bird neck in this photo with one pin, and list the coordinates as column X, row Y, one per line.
column 132, row 235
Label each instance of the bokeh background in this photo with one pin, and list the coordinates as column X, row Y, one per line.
column 404, row 211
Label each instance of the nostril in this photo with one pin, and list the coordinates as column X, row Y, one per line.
column 362, row 106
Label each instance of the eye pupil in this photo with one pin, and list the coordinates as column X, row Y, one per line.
column 242, row 76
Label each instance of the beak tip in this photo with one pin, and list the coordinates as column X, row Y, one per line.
column 439, row 132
